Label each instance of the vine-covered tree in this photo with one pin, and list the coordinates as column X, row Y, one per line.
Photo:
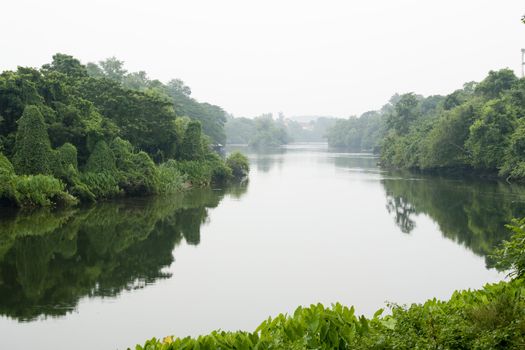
column 191, row 147
column 32, row 147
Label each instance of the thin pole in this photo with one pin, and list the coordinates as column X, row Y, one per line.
column 522, row 62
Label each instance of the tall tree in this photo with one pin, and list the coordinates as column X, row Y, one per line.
column 113, row 69
column 67, row 65
column 191, row 147
column 32, row 147
column 405, row 112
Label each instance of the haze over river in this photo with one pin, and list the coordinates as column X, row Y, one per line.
column 311, row 225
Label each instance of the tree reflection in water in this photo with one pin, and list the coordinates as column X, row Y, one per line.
column 470, row 212
column 51, row 259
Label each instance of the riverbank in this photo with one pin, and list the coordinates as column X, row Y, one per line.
column 138, row 177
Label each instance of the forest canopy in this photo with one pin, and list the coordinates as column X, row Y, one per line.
column 70, row 131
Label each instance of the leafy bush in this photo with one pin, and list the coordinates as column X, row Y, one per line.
column 220, row 173
column 191, row 147
column 511, row 255
column 239, row 165
column 41, row 191
column 7, row 176
column 197, row 172
column 137, row 173
column 170, row 178
column 491, row 318
column 101, row 159
column 103, row 185
column 62, row 158
column 6, row 168
column 142, row 178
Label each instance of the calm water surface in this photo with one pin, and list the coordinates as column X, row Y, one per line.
column 310, row 226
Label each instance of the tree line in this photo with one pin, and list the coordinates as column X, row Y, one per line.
column 479, row 128
column 266, row 132
column 71, row 132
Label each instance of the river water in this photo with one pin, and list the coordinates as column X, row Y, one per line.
column 311, row 225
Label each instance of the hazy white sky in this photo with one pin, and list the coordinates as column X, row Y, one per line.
column 300, row 57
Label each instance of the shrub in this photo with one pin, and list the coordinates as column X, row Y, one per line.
column 122, row 152
column 197, row 172
column 41, row 191
column 6, row 168
column 62, row 158
column 102, row 185
column 191, row 146
column 101, row 159
column 170, row 178
column 137, row 173
column 511, row 254
column 239, row 165
column 32, row 153
column 143, row 177
column 7, row 176
column 490, row 318
column 220, row 173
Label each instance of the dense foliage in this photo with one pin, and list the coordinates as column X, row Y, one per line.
column 511, row 256
column 479, row 128
column 96, row 131
column 489, row 318
column 239, row 165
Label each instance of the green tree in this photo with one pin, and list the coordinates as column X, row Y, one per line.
column 191, row 147
column 489, row 135
column 239, row 164
column 444, row 147
column 32, row 147
column 101, row 159
column 404, row 114
column 496, row 83
column 113, row 69
column 511, row 254
column 94, row 70
column 67, row 65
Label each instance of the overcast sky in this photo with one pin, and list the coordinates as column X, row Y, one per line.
column 299, row 57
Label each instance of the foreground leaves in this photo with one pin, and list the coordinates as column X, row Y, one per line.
column 490, row 318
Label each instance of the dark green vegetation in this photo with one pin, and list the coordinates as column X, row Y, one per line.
column 479, row 128
column 239, row 165
column 49, row 260
column 70, row 132
column 490, row 318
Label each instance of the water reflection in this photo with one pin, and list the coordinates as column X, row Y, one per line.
column 355, row 162
column 49, row 260
column 470, row 212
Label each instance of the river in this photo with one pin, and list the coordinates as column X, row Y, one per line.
column 311, row 225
